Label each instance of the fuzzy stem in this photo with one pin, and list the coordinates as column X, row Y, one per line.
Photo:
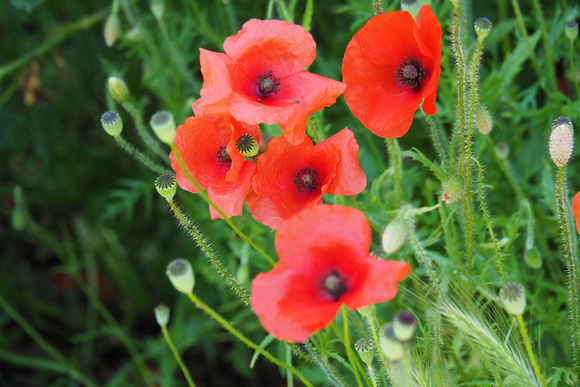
column 437, row 142
column 324, row 365
column 575, row 77
column 378, row 343
column 151, row 143
column 571, row 263
column 528, row 345
column 372, row 374
column 200, row 304
column 289, row 376
column 346, row 341
column 199, row 239
column 392, row 146
column 190, row 382
column 42, row 343
column 377, row 7
column 488, row 222
column 524, row 33
column 139, row 156
column 547, row 45
column 219, row 211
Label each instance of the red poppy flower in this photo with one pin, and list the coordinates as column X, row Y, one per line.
column 576, row 211
column 259, row 79
column 389, row 67
column 293, row 177
column 324, row 262
column 209, row 147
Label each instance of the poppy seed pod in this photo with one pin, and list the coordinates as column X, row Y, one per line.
column 482, row 27
column 166, row 185
column 365, row 348
column 404, row 326
column 163, row 125
column 118, row 89
column 513, row 298
column 162, row 315
column 561, row 141
column 247, row 145
column 572, row 30
column 502, row 150
column 112, row 123
column 181, row 276
column 390, row 346
column 411, row 6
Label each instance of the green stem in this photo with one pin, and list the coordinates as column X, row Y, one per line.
column 372, row 374
column 199, row 239
column 524, row 33
column 571, row 263
column 139, row 156
column 54, row 353
column 322, row 362
column 346, row 342
column 528, row 345
column 218, row 210
column 190, row 382
column 149, row 141
column 438, row 143
column 547, row 45
column 391, row 146
column 289, row 376
column 573, row 68
column 378, row 343
column 174, row 54
column 200, row 304
column 377, row 7
column 284, row 11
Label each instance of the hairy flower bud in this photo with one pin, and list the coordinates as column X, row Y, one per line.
column 166, row 185
column 572, row 30
column 483, row 121
column 561, row 141
column 452, row 190
column 163, row 125
column 112, row 29
column 482, row 27
column 394, row 235
column 533, row 258
column 513, row 298
column 365, row 347
column 118, row 89
column 162, row 315
column 112, row 123
column 181, row 276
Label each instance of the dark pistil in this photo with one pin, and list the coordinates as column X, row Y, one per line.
column 306, row 179
column 267, row 84
column 410, row 73
column 333, row 285
column 223, row 156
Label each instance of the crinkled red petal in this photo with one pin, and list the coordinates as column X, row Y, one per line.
column 229, row 195
column 576, row 211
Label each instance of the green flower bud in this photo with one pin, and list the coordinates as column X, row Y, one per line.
column 162, row 315
column 166, row 185
column 157, row 8
column 134, row 35
column 391, row 347
column 181, row 276
column 394, row 235
column 112, row 123
column 572, row 30
column 366, row 311
column 502, row 150
column 365, row 347
column 118, row 89
column 533, row 258
column 411, row 6
column 561, row 141
column 482, row 28
column 513, row 298
column 247, row 145
column 404, row 326
column 163, row 125
column 452, row 190
column 112, row 29
column 483, row 121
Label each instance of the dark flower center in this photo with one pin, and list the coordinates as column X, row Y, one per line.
column 267, row 84
column 223, row 156
column 245, row 143
column 306, row 180
column 410, row 73
column 333, row 285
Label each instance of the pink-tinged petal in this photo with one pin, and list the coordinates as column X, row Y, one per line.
column 271, row 45
column 350, row 179
column 229, row 195
column 217, row 83
column 576, row 211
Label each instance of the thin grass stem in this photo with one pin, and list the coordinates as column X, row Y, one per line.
column 184, row 370
column 528, row 345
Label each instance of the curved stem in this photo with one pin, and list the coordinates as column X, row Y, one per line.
column 528, row 345
column 151, row 143
column 140, row 156
column 200, row 304
column 190, row 382
column 391, row 145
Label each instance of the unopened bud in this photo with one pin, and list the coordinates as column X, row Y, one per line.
column 162, row 315
column 404, row 325
column 572, row 30
column 118, row 89
column 166, row 185
column 180, row 274
column 533, row 258
column 134, row 35
column 561, row 141
column 163, row 125
column 483, row 121
column 513, row 298
column 366, row 311
column 502, row 150
column 482, row 27
column 394, row 235
column 157, row 8
column 390, row 346
column 112, row 29
column 112, row 123
column 452, row 190
column 411, row 6
column 365, row 347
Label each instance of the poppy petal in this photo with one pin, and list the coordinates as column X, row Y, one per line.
column 229, row 195
column 576, row 211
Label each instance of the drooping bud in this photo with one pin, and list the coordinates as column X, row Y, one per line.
column 482, row 28
column 404, row 325
column 366, row 311
column 112, row 29
column 452, row 190
column 533, row 258
column 572, row 30
column 483, row 121
column 118, row 89
column 502, row 150
column 163, row 125
column 390, row 346
column 157, row 8
column 561, row 141
column 365, row 347
column 112, row 123
column 513, row 298
column 181, row 276
column 166, row 185
column 162, row 315
column 247, row 145
column 134, row 35
column 411, row 6
column 394, row 235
